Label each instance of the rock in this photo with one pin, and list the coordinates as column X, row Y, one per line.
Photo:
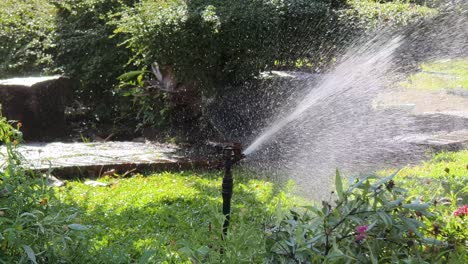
column 38, row 103
column 53, row 181
column 96, row 184
column 139, row 140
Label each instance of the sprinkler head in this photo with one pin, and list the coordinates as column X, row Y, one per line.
column 231, row 150
column 232, row 153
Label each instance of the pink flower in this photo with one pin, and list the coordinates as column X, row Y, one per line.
column 361, row 233
column 361, row 229
column 461, row 211
column 360, row 238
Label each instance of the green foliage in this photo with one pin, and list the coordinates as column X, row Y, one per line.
column 208, row 45
column 442, row 182
column 369, row 15
column 174, row 218
column 86, row 52
column 373, row 221
column 213, row 42
column 32, row 230
column 26, row 37
column 442, row 176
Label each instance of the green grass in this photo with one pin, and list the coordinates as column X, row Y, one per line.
column 173, row 218
column 444, row 175
column 442, row 74
column 176, row 217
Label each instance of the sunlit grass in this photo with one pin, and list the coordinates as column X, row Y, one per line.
column 444, row 175
column 453, row 163
column 174, row 217
column 443, row 74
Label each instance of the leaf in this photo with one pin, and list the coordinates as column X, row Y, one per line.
column 416, row 206
column 384, row 180
column 130, row 75
column 373, row 254
column 28, row 214
column 147, row 256
column 369, row 227
column 412, row 224
column 72, row 216
column 203, row 251
column 434, row 241
column 393, row 204
column 339, row 185
column 387, row 219
column 187, row 251
column 30, row 253
column 336, row 253
column 77, row 227
column 358, row 185
column 41, row 227
column 366, row 188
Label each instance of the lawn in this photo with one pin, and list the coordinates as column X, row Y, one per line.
column 445, row 175
column 439, row 75
column 173, row 218
column 176, row 217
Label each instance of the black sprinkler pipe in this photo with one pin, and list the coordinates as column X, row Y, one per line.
column 232, row 153
column 228, row 183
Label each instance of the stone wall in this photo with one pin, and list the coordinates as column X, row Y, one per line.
column 38, row 103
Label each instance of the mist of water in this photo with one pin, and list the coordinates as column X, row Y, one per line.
column 309, row 125
column 371, row 59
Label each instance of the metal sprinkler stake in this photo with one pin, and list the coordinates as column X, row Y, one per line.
column 227, row 189
column 232, row 153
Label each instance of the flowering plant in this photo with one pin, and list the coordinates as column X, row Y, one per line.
column 374, row 219
column 461, row 211
column 32, row 229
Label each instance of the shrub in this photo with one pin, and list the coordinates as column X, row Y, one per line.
column 204, row 46
column 369, row 15
column 26, row 38
column 86, row 52
column 31, row 229
column 371, row 222
column 211, row 42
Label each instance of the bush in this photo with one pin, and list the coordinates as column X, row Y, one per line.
column 26, row 38
column 217, row 42
column 86, row 52
column 201, row 46
column 31, row 229
column 204, row 46
column 373, row 221
column 368, row 15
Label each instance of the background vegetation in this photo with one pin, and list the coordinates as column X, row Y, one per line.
column 27, row 38
column 201, row 46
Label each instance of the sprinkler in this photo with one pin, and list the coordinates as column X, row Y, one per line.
column 232, row 153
